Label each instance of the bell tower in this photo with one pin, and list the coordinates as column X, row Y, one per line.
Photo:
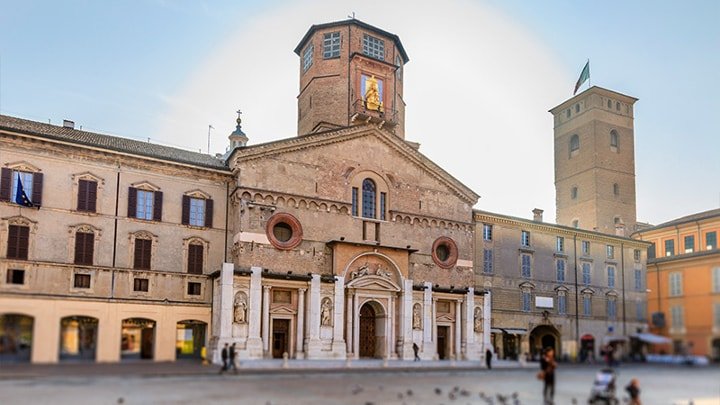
column 595, row 161
column 350, row 73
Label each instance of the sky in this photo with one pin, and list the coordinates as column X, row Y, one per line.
column 481, row 78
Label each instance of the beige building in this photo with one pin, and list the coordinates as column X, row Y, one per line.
column 558, row 286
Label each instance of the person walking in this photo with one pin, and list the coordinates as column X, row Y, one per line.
column 224, row 357
column 633, row 390
column 232, row 355
column 416, row 349
column 488, row 359
column 548, row 366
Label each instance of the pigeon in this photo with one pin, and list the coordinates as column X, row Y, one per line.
column 465, row 393
column 409, row 393
column 438, row 391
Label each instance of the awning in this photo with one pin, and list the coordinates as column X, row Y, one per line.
column 652, row 338
column 612, row 339
column 510, row 331
column 496, row 330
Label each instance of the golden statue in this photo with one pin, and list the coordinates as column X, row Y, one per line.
column 372, row 94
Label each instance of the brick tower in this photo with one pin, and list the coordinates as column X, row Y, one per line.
column 595, row 161
column 350, row 73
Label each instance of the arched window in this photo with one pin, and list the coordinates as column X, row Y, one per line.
column 573, row 192
column 574, row 143
column 609, row 104
column 616, row 189
column 368, row 198
column 617, row 105
column 614, row 138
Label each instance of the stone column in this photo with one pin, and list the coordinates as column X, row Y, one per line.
column 266, row 319
column 487, row 314
column 338, row 345
column 391, row 328
column 254, row 342
column 356, row 327
column 222, row 310
column 349, row 321
column 406, row 329
column 428, row 322
column 314, row 346
column 471, row 351
column 299, row 352
column 458, row 330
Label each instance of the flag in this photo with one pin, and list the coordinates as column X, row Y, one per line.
column 20, row 196
column 584, row 75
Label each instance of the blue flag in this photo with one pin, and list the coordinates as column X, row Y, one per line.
column 20, row 196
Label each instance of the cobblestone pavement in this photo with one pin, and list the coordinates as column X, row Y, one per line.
column 362, row 386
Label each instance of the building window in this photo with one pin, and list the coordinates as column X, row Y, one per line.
column 399, row 68
column 614, row 138
column 355, row 201
column 444, row 252
column 560, row 244
column 676, row 314
column 141, row 284
column 616, row 189
column 284, row 231
column 194, row 288
column 575, row 223
column 577, row 108
column 611, row 276
column 382, row 205
column 197, row 211
column 587, row 305
column 669, row 247
column 10, row 182
column 636, row 255
column 611, row 308
column 675, row 284
column 640, row 311
column 574, row 143
column 711, row 240
column 18, row 242
column 525, row 238
column 368, row 198
column 487, row 232
column 716, row 279
column 562, row 303
column 525, row 265
column 638, row 280
column 331, row 45
column 81, row 280
column 84, row 248
column 15, row 276
column 526, row 301
column 87, row 196
column 487, row 261
column 373, row 47
column 609, row 103
column 585, row 247
column 716, row 318
column 617, row 105
column 143, row 254
column 560, row 267
column 610, row 251
column 689, row 244
column 568, row 113
column 651, row 251
column 195, row 258
column 308, row 57
column 144, row 204
column 586, row 276
column 574, row 193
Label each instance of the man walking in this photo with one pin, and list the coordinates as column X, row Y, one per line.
column 233, row 353
column 224, row 357
column 416, row 349
column 488, row 359
column 548, row 365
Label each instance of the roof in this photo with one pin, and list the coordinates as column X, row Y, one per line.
column 683, row 220
column 594, row 89
column 109, row 142
column 360, row 24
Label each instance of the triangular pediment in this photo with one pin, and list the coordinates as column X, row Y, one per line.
column 372, row 282
column 445, row 318
column 283, row 311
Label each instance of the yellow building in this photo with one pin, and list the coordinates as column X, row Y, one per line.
column 683, row 274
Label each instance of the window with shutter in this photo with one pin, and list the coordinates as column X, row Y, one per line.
column 143, row 252
column 87, row 195
column 195, row 259
column 84, row 247
column 18, row 239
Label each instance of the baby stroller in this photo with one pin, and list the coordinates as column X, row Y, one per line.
column 603, row 389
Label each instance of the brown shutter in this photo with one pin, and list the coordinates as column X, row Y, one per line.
column 22, row 243
column 12, row 242
column 37, row 189
column 209, row 213
column 195, row 259
column 157, row 206
column 84, row 248
column 147, row 252
column 5, row 184
column 142, row 253
column 92, row 196
column 82, row 201
column 185, row 210
column 89, row 248
column 138, row 254
column 132, row 202
column 79, row 246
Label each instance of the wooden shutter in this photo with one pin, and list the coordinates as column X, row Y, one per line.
column 87, row 194
column 157, row 206
column 92, row 196
column 81, row 204
column 37, row 189
column 185, row 210
column 195, row 259
column 12, row 242
column 84, row 248
column 209, row 213
column 142, row 254
column 132, row 202
column 5, row 184
column 18, row 239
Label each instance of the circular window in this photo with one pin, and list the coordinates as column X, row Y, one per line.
column 284, row 231
column 444, row 252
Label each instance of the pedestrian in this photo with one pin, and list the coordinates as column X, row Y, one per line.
column 548, row 366
column 488, row 359
column 224, row 357
column 416, row 349
column 232, row 353
column 634, row 390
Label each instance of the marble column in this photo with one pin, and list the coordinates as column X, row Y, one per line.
column 254, row 343
column 349, row 321
column 314, row 346
column 391, row 328
column 487, row 314
column 266, row 319
column 428, row 322
column 458, row 330
column 356, row 327
column 299, row 352
column 338, row 344
column 471, row 350
column 406, row 329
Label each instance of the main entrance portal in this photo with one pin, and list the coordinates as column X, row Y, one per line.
column 281, row 337
column 367, row 331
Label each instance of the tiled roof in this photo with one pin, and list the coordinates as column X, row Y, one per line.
column 688, row 218
column 114, row 143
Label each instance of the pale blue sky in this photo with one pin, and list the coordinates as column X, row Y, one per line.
column 117, row 66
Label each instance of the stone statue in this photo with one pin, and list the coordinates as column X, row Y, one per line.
column 477, row 324
column 382, row 272
column 417, row 317
column 326, row 312
column 240, row 308
column 372, row 94
column 361, row 271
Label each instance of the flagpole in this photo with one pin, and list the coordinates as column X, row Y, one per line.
column 589, row 75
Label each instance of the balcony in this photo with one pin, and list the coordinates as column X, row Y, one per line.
column 363, row 115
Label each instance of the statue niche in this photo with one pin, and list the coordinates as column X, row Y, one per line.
column 417, row 317
column 240, row 308
column 373, row 94
column 477, row 322
column 326, row 312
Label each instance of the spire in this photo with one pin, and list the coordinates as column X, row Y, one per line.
column 238, row 137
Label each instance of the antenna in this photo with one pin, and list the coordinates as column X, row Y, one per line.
column 209, row 128
column 352, row 16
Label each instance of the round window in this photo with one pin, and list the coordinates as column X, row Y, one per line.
column 445, row 252
column 284, row 231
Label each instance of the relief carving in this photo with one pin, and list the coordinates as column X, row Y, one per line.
column 477, row 324
column 240, row 308
column 326, row 312
column 417, row 317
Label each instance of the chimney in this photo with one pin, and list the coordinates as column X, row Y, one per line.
column 68, row 124
column 537, row 215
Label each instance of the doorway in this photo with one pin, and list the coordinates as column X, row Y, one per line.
column 16, row 336
column 190, row 339
column 138, row 339
column 280, row 338
column 78, row 338
column 367, row 331
column 443, row 333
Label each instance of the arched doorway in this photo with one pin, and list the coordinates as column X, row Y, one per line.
column 587, row 348
column 16, row 335
column 78, row 338
column 542, row 337
column 372, row 330
column 138, row 339
column 190, row 339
